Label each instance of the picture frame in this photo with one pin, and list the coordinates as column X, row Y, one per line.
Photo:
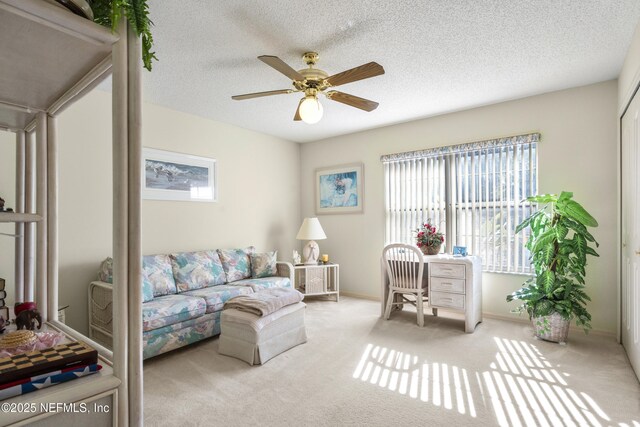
column 167, row 175
column 459, row 251
column 340, row 189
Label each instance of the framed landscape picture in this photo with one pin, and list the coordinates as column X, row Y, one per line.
column 340, row 189
column 174, row 176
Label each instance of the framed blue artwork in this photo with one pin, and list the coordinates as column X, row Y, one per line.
column 339, row 189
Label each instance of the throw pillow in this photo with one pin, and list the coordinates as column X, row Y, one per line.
column 147, row 287
column 157, row 268
column 264, row 264
column 236, row 263
column 195, row 270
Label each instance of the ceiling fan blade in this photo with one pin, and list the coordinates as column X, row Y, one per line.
column 297, row 117
column 280, row 65
column 365, row 71
column 259, row 94
column 353, row 101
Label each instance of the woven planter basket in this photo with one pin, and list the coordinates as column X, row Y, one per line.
column 431, row 250
column 557, row 328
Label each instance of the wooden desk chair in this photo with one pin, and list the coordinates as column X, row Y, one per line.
column 405, row 268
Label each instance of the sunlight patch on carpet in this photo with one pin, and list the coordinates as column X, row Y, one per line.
column 521, row 386
column 526, row 390
column 438, row 383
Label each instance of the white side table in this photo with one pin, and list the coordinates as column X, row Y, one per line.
column 321, row 279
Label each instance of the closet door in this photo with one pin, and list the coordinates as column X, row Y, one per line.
column 630, row 296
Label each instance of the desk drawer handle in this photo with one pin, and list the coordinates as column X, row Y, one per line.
column 447, row 299
column 446, row 283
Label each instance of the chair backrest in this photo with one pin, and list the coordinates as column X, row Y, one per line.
column 405, row 265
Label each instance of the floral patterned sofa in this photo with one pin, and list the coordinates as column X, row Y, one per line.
column 183, row 294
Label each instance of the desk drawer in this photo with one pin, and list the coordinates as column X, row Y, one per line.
column 446, row 270
column 447, row 285
column 443, row 299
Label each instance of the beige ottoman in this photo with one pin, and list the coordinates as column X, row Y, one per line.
column 257, row 339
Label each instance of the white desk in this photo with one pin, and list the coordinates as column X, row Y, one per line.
column 454, row 283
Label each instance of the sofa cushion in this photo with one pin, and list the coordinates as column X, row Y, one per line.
column 215, row 296
column 178, row 335
column 264, row 264
column 157, row 273
column 169, row 309
column 236, row 263
column 265, row 283
column 195, row 270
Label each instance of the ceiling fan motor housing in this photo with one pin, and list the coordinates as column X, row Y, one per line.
column 313, row 78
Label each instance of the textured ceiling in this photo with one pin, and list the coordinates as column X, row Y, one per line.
column 439, row 56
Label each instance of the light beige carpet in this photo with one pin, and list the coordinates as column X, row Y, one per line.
column 357, row 369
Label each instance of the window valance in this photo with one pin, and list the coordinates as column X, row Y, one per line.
column 460, row 148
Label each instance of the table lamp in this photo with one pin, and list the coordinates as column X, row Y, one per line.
column 311, row 230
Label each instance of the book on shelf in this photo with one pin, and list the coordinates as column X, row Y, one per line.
column 35, row 383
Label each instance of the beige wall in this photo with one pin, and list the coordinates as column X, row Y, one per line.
column 258, row 187
column 577, row 153
column 8, row 193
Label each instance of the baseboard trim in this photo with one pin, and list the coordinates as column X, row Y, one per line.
column 519, row 319
column 573, row 328
column 360, row 296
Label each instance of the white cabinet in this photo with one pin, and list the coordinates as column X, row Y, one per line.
column 321, row 279
column 455, row 283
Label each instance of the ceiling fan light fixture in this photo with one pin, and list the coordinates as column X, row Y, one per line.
column 311, row 110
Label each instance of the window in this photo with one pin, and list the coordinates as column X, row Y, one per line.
column 472, row 191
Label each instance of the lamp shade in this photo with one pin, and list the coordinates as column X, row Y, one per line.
column 311, row 230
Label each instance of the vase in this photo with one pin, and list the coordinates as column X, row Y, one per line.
column 431, row 250
column 554, row 328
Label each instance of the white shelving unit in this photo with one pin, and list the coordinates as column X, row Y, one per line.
column 19, row 217
column 49, row 58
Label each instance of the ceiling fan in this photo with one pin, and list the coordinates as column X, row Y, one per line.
column 314, row 81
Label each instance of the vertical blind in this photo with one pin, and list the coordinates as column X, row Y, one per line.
column 473, row 192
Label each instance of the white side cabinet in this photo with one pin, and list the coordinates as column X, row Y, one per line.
column 455, row 283
column 321, row 279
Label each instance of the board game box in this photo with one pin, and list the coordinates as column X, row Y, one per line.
column 37, row 362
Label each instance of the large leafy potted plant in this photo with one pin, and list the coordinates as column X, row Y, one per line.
column 559, row 244
column 108, row 13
